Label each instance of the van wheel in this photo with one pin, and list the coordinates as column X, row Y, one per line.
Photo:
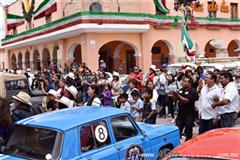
column 163, row 152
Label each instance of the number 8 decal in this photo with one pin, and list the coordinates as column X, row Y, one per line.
column 101, row 133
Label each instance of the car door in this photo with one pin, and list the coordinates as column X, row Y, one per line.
column 96, row 143
column 130, row 142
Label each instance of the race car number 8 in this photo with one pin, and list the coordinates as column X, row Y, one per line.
column 101, row 133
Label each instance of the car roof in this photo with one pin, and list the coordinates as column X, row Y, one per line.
column 218, row 143
column 65, row 119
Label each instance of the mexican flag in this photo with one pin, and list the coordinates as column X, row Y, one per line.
column 187, row 43
column 14, row 21
column 45, row 8
column 161, row 6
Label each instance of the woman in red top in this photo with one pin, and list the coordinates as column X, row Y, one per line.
column 152, row 73
column 137, row 76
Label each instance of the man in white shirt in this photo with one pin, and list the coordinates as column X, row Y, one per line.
column 160, row 81
column 209, row 93
column 229, row 101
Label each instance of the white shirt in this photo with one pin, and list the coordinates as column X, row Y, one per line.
column 155, row 95
column 153, row 106
column 229, row 92
column 96, row 102
column 134, row 112
column 157, row 80
column 129, row 94
column 206, row 99
column 126, row 106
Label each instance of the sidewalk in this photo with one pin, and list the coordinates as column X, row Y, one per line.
column 195, row 129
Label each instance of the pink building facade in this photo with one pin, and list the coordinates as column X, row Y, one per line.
column 122, row 33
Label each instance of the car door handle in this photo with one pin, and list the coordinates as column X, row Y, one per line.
column 119, row 148
column 89, row 158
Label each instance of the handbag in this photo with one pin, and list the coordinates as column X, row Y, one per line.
column 161, row 90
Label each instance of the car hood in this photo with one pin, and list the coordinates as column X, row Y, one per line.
column 154, row 131
column 8, row 157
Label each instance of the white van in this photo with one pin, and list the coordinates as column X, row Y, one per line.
column 234, row 66
column 172, row 68
column 10, row 84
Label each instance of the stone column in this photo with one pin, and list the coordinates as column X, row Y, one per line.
column 146, row 52
column 90, row 55
column 5, row 10
column 138, row 57
column 60, row 57
column 31, row 52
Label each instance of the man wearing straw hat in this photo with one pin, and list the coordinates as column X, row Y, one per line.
column 22, row 106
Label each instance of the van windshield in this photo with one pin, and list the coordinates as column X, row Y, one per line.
column 33, row 143
column 15, row 84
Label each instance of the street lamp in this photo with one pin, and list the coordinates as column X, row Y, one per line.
column 179, row 3
column 183, row 4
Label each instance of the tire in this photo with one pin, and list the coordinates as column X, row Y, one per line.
column 163, row 152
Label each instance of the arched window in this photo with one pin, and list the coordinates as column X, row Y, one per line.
column 95, row 7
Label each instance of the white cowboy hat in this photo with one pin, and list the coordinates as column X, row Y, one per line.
column 189, row 68
column 115, row 74
column 153, row 67
column 73, row 91
column 66, row 101
column 53, row 93
column 22, row 97
column 28, row 69
column 71, row 75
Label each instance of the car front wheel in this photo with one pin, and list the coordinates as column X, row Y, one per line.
column 163, row 152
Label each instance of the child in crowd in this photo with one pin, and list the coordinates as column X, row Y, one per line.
column 124, row 104
column 136, row 106
column 149, row 109
column 107, row 95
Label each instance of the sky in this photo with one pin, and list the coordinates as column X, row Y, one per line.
column 2, row 3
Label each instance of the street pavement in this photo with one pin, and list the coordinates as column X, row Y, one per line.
column 195, row 128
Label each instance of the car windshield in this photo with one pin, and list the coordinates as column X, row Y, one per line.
column 180, row 158
column 34, row 143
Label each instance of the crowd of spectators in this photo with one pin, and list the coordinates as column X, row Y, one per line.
column 189, row 96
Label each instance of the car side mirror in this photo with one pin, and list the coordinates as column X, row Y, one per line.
column 2, row 149
column 144, row 135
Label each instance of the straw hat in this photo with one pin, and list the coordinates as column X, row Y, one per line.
column 71, row 75
column 189, row 68
column 66, row 101
column 72, row 90
column 22, row 97
column 153, row 67
column 53, row 93
column 115, row 74
column 28, row 69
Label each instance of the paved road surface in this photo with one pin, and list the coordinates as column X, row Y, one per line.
column 195, row 129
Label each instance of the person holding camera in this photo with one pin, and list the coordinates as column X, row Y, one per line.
column 186, row 97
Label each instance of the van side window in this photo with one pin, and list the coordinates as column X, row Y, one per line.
column 15, row 85
column 94, row 135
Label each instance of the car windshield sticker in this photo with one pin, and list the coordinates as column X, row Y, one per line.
column 101, row 133
column 134, row 152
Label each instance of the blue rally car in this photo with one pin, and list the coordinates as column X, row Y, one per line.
column 89, row 133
